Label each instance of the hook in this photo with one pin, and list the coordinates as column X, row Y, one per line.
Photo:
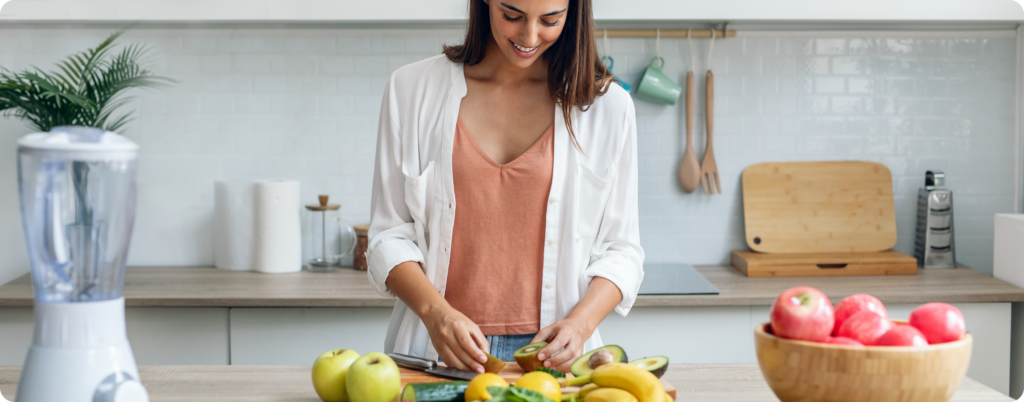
column 711, row 48
column 657, row 42
column 689, row 42
column 725, row 29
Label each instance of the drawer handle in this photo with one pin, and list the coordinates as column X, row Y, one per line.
column 832, row 266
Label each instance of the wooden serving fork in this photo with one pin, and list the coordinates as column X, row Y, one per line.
column 708, row 168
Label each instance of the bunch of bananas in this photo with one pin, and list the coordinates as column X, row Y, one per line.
column 617, row 382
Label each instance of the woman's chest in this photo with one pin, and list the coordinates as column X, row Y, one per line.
column 505, row 123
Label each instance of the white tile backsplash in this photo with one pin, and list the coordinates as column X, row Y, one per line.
column 303, row 103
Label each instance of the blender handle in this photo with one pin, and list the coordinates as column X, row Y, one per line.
column 351, row 234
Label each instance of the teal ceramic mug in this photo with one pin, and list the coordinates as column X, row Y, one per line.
column 655, row 86
column 609, row 62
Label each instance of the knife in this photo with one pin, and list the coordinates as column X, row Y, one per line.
column 430, row 367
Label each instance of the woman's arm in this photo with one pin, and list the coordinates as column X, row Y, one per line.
column 456, row 338
column 568, row 335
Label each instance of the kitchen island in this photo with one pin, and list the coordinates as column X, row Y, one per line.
column 202, row 315
column 694, row 383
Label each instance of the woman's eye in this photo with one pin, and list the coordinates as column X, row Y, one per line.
column 550, row 24
column 510, row 19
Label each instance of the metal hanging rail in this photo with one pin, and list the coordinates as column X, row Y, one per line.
column 665, row 33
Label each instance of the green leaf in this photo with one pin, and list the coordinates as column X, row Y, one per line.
column 515, row 394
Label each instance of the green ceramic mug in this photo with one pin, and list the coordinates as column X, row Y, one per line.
column 655, row 86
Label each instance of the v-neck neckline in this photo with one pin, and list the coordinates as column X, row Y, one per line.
column 465, row 130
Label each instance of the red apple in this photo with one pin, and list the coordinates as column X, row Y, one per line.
column 854, row 304
column 802, row 313
column 838, row 340
column 939, row 322
column 902, row 335
column 865, row 327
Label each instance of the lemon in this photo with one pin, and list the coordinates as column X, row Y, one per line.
column 477, row 389
column 542, row 382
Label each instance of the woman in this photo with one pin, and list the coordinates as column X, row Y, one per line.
column 505, row 191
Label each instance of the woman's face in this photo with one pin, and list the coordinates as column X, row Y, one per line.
column 524, row 29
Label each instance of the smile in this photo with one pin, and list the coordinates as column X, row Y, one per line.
column 524, row 51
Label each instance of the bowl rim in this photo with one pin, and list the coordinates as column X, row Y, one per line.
column 759, row 330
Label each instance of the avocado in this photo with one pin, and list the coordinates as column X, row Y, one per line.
column 526, row 356
column 657, row 365
column 597, row 357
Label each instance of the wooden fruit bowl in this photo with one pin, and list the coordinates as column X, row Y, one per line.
column 809, row 371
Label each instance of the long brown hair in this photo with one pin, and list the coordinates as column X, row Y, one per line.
column 576, row 76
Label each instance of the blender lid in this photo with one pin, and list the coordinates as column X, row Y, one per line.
column 78, row 139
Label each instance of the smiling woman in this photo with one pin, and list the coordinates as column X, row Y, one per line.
column 505, row 191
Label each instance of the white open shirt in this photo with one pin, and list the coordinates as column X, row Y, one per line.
column 591, row 222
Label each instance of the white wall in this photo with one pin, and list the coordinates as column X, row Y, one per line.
column 303, row 103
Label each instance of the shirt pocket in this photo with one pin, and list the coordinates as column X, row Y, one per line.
column 417, row 188
column 591, row 198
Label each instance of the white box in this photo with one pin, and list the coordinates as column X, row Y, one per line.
column 1008, row 258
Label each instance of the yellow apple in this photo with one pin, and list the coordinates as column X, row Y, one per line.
column 329, row 372
column 374, row 378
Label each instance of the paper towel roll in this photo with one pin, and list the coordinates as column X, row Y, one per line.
column 233, row 225
column 278, row 229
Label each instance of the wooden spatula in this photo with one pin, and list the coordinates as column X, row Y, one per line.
column 689, row 168
column 708, row 168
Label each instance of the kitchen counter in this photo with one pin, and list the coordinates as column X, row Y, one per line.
column 694, row 382
column 210, row 287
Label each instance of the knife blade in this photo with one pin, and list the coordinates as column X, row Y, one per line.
column 430, row 367
column 448, row 372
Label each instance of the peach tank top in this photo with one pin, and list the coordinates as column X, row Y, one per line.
column 497, row 253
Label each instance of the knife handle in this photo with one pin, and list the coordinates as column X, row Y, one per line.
column 412, row 362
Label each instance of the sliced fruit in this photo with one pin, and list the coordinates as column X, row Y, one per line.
column 542, row 382
column 476, row 390
column 452, row 391
column 609, row 395
column 597, row 358
column 657, row 365
column 526, row 356
column 553, row 372
column 493, row 365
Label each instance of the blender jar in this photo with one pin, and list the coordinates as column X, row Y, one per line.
column 330, row 238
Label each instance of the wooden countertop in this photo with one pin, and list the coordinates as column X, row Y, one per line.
column 695, row 383
column 210, row 287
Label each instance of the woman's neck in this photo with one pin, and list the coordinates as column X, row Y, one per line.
column 496, row 67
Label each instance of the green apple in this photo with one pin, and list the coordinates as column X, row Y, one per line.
column 329, row 372
column 374, row 378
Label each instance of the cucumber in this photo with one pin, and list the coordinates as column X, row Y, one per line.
column 451, row 391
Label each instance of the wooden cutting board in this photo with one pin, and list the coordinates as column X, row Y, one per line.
column 819, row 207
column 510, row 373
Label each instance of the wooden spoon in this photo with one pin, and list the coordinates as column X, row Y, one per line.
column 689, row 169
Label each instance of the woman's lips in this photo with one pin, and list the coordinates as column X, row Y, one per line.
column 524, row 51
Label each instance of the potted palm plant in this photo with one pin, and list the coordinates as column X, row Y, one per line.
column 87, row 90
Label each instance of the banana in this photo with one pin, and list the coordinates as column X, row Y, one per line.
column 582, row 393
column 637, row 381
column 609, row 395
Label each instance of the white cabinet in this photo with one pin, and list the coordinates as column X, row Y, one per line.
column 448, row 11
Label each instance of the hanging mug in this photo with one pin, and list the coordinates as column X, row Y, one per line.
column 609, row 63
column 655, row 86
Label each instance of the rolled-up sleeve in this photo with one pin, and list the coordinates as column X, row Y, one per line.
column 392, row 233
column 619, row 257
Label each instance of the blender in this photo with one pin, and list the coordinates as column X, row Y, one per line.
column 77, row 190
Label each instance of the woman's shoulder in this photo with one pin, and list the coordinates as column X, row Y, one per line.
column 432, row 71
column 614, row 105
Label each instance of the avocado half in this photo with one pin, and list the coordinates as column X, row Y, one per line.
column 657, row 365
column 526, row 356
column 602, row 355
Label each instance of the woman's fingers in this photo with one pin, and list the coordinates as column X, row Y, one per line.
column 554, row 346
column 542, row 335
column 562, row 360
column 449, row 358
column 481, row 341
column 473, row 357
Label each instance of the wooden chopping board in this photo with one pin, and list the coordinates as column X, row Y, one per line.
column 510, row 373
column 819, row 207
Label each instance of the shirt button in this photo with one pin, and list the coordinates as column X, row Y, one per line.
column 548, row 285
column 551, row 242
column 552, row 200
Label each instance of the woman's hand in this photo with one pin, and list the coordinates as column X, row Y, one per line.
column 566, row 336
column 457, row 339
